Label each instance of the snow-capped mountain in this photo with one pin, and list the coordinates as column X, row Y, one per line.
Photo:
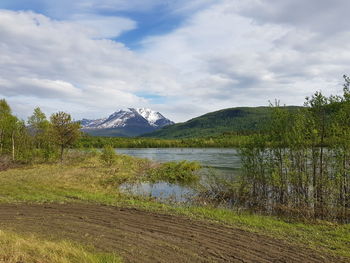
column 129, row 122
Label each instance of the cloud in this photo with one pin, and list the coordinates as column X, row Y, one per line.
column 224, row 53
column 324, row 16
column 45, row 88
column 44, row 60
column 104, row 26
column 235, row 54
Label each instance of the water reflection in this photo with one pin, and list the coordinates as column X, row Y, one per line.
column 216, row 162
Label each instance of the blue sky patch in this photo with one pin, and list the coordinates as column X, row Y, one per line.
column 156, row 21
column 149, row 24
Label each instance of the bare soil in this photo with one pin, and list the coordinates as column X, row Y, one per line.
column 140, row 236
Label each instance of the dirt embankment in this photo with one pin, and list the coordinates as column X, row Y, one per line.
column 140, row 236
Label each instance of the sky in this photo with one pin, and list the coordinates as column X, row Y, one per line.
column 183, row 58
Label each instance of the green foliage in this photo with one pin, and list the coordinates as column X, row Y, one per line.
column 175, row 172
column 240, row 121
column 37, row 142
column 39, row 127
column 64, row 131
column 38, row 120
column 224, row 141
column 43, row 144
column 13, row 134
column 4, row 107
column 300, row 165
column 108, row 155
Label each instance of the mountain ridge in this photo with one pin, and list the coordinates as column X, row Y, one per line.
column 129, row 122
column 236, row 120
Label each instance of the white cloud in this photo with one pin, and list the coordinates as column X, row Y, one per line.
column 226, row 53
column 44, row 88
column 43, row 60
column 104, row 26
column 228, row 57
column 324, row 16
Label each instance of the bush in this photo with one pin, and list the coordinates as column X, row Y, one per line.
column 175, row 172
column 108, row 156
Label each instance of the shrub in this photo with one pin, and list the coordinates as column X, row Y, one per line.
column 175, row 172
column 108, row 156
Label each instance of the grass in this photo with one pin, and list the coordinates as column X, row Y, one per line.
column 90, row 181
column 175, row 172
column 15, row 248
column 331, row 238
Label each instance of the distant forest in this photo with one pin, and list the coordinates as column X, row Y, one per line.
column 241, row 121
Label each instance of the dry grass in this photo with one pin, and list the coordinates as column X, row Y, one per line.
column 30, row 249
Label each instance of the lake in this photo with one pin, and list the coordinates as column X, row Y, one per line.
column 221, row 161
column 218, row 158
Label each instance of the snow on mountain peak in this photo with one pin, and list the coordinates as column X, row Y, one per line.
column 129, row 117
column 151, row 116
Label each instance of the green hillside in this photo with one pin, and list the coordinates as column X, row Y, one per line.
column 118, row 132
column 236, row 120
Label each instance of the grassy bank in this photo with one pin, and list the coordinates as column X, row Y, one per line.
column 90, row 181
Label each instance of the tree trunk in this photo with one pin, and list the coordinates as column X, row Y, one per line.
column 314, row 182
column 13, row 146
column 321, row 179
column 62, row 150
column 1, row 140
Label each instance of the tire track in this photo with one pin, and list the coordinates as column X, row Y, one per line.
column 140, row 236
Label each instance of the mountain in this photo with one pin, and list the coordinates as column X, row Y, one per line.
column 242, row 120
column 126, row 123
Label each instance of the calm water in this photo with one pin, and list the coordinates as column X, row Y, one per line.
column 216, row 158
column 222, row 162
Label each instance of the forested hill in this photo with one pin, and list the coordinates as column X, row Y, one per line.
column 235, row 120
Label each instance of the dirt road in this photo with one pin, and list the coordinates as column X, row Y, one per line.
column 140, row 236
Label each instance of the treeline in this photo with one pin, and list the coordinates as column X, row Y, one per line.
column 225, row 140
column 38, row 139
column 301, row 164
column 242, row 120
